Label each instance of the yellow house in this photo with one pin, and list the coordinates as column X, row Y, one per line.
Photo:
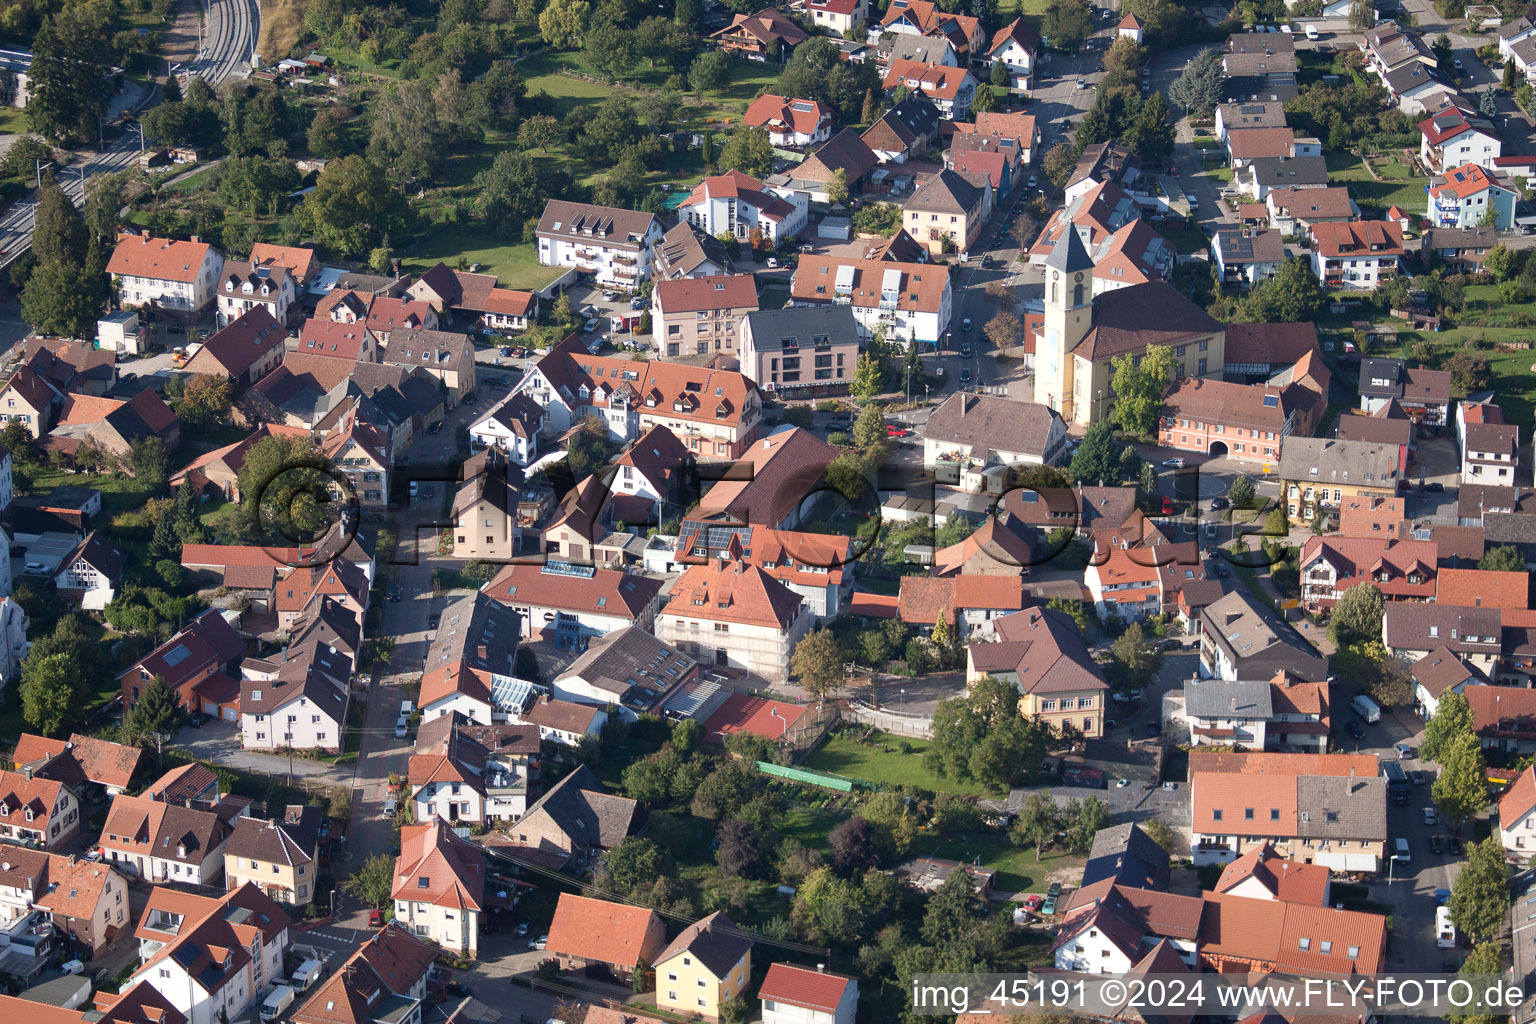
column 276, row 856
column 705, row 966
column 1317, row 474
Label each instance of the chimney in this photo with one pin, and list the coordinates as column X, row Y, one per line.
column 821, row 968
column 196, row 239
column 26, row 772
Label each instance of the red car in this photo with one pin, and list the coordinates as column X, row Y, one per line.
column 1032, row 901
column 1167, row 506
column 375, row 919
column 892, row 430
column 1173, row 172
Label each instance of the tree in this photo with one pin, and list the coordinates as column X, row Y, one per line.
column 1150, row 134
column 372, row 881
column 747, row 150
column 60, row 235
column 1502, row 262
column 69, row 84
column 1487, row 105
column 1160, row 833
column 206, row 401
column 1479, row 900
column 407, row 136
column 515, row 188
column 869, row 428
column 1357, row 615
column 1092, row 816
column 998, row 76
column 952, row 911
column 1134, row 660
column 1461, row 790
column 634, row 865
column 52, row 692
column 1441, row 48
column 495, row 99
column 328, row 135
column 710, row 72
column 1242, row 492
column 982, row 737
column 1469, row 369
column 1453, row 718
column 18, row 440
column 1067, row 24
column 837, row 188
column 562, row 23
column 1202, row 83
column 64, row 299
column 1505, row 558
column 1362, row 15
column 1060, row 162
column 1293, row 295
column 818, row 663
column 24, row 157
column 1139, row 388
column 610, row 51
column 868, row 377
column 1004, row 330
column 538, row 132
column 686, row 14
column 1024, row 228
column 1037, row 823
column 740, row 848
column 853, row 845
column 154, row 718
column 149, row 462
column 354, row 208
column 640, row 977
column 1097, row 459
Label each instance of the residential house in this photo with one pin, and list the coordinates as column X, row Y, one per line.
column 1017, row 134
column 72, row 365
column 1244, row 145
column 598, row 936
column 1293, row 938
column 908, row 129
column 1241, row 639
column 816, row 566
column 244, row 287
column 1245, row 258
column 1264, row 175
column 1412, row 630
column 1373, row 516
column 91, row 572
column 511, row 427
column 448, row 356
column 1122, row 247
column 173, row 275
column 1016, row 46
column 1256, row 114
column 277, row 856
column 1129, row 856
column 908, row 302
column 78, row 762
column 839, row 17
column 782, row 489
column 1456, row 135
column 1491, row 454
column 1468, row 196
column 790, row 123
column 1417, row 89
column 1503, row 717
column 85, row 901
column 1262, row 874
column 1326, row 809
column 469, row 298
column 800, row 995
column 469, row 663
column 1246, row 422
column 732, row 612
column 194, row 662
column 1356, row 255
column 1101, row 162
column 951, row 90
column 1293, row 211
column 701, row 315
column 383, row 982
column 773, row 345
column 296, row 700
column 439, row 887
column 713, row 412
column 766, row 35
column 948, row 212
column 212, row 959
column 740, row 205
column 1517, row 819
column 706, row 966
column 1460, row 250
column 245, row 349
column 37, row 812
column 1042, row 653
column 1000, row 546
column 363, row 454
column 161, row 836
column 689, row 251
column 970, row 605
column 611, row 244
column 922, row 18
column 1082, row 332
column 1281, row 713
column 1514, row 31
column 485, row 509
column 1438, row 673
column 218, row 471
column 575, row 602
column 628, row 670
column 31, row 399
column 1317, row 473
column 1402, row 570
column 1387, row 47
column 455, row 776
column 113, row 426
column 844, row 158
column 976, row 441
column 1424, row 395
column 382, row 314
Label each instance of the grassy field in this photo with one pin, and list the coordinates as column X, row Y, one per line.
column 118, row 493
column 1017, row 870
column 515, row 266
column 748, row 79
column 13, row 121
column 1349, row 169
column 869, row 762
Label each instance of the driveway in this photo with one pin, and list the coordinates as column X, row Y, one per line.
column 219, row 742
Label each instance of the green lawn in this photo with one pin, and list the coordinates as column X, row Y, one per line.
column 842, row 756
column 1349, row 169
column 748, row 78
column 515, row 266
column 13, row 121
column 118, row 493
column 1017, row 870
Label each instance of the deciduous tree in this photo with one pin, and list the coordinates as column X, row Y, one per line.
column 354, row 208
column 817, row 662
column 1470, row 370
column 52, row 692
column 1504, row 558
column 1452, row 719
column 372, row 881
column 1067, row 24
column 1479, row 900
column 1461, row 789
column 1357, row 615
column 206, row 401
column 1004, row 330
column 1139, row 388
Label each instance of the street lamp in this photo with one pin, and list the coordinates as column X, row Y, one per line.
column 903, row 700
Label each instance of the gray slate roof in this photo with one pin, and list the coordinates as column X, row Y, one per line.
column 1339, row 807
column 589, row 816
column 1222, row 698
column 1127, row 854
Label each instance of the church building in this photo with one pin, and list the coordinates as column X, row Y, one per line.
column 1083, row 332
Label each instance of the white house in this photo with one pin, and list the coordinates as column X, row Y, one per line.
column 740, row 205
column 469, row 662
column 1357, row 255
column 1438, row 673
column 1514, row 32
column 37, row 812
column 243, row 287
column 969, row 438
column 574, row 601
column 1517, row 819
column 90, row 573
column 1491, row 454
column 611, row 244
column 1468, row 196
column 909, row 302
column 512, row 426
column 839, row 17
column 439, row 886
column 799, row 995
column 295, row 701
column 1454, row 136
column 733, row 613
column 1016, row 46
column 149, row 271
column 13, row 640
column 564, row 722
column 789, row 121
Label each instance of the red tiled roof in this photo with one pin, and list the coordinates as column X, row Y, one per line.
column 760, row 716
column 1464, row 181
column 1519, row 800
column 695, row 294
column 159, row 259
column 1359, row 238
column 610, row 933
column 1475, row 587
column 801, row 986
column 770, row 110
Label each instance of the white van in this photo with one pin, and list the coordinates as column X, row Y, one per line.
column 278, row 1000
column 1312, row 32
column 1445, row 931
column 307, row 974
column 1402, row 856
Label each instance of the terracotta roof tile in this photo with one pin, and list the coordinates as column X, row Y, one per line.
column 604, row 932
column 160, row 259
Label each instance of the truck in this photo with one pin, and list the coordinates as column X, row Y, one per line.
column 1366, row 708
column 1398, row 787
column 278, row 1000
column 308, row 973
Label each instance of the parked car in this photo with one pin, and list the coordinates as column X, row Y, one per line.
column 772, row 263
column 1167, row 506
column 1435, row 488
column 1436, row 844
column 1405, row 752
column 538, row 943
column 375, row 918
column 965, row 375
column 1082, row 83
column 894, row 430
column 506, row 352
column 1417, row 778
column 1172, row 645
column 1173, row 463
column 1034, row 179
column 1194, row 204
column 1431, row 817
column 1455, row 845
column 965, row 324
column 1355, row 729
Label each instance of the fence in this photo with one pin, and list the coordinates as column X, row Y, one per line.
column 893, row 722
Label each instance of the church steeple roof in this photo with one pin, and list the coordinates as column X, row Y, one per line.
column 1069, row 254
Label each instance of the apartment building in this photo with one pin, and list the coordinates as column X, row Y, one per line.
column 908, row 302
column 731, row 612
column 1491, row 454
column 613, row 245
column 1356, row 255
column 276, row 855
column 164, row 272
column 700, row 316
column 739, row 205
column 1468, row 196
column 244, row 287
column 809, row 350
column 1317, row 473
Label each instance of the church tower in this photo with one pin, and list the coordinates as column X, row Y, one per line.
column 1068, row 319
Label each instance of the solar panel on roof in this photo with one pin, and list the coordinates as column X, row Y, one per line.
column 176, row 655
